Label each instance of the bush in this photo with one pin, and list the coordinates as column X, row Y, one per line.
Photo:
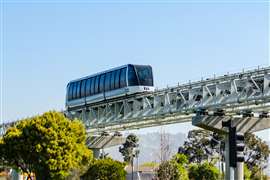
column 203, row 171
column 168, row 170
column 173, row 169
column 247, row 173
column 105, row 169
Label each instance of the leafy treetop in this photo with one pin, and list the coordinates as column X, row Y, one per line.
column 50, row 145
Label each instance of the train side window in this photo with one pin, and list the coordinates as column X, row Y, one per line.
column 101, row 83
column 107, row 81
column 78, row 93
column 88, row 87
column 93, row 85
column 116, row 80
column 70, row 91
column 97, row 85
column 132, row 77
column 74, row 90
column 83, row 88
column 123, row 81
column 112, row 80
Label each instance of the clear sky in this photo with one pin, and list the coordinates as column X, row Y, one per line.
column 46, row 44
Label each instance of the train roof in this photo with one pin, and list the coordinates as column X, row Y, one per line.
column 102, row 72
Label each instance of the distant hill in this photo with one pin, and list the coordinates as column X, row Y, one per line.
column 149, row 145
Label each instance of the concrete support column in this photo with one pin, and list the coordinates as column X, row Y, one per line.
column 239, row 175
column 229, row 171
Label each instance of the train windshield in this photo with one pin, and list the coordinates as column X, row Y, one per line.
column 145, row 75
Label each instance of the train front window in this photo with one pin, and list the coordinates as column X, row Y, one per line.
column 145, row 75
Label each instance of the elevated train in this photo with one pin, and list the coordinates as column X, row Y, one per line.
column 114, row 83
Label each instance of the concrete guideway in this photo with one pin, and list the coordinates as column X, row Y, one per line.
column 231, row 93
column 242, row 124
column 96, row 143
column 101, row 142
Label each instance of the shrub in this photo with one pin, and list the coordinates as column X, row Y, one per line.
column 105, row 169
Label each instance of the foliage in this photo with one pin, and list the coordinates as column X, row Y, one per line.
column 203, row 171
column 127, row 150
column 180, row 159
column 247, row 172
column 257, row 174
column 201, row 146
column 50, row 145
column 105, row 169
column 256, row 152
column 173, row 169
column 168, row 171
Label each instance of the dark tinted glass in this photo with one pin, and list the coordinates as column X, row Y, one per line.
column 145, row 75
column 74, row 90
column 83, row 88
column 107, row 81
column 101, row 83
column 132, row 77
column 123, row 81
column 112, row 80
column 92, row 85
column 70, row 91
column 117, row 78
column 78, row 93
column 96, row 85
column 88, row 87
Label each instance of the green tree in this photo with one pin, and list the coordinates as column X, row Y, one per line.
column 105, row 169
column 201, row 145
column 175, row 169
column 204, row 171
column 50, row 145
column 127, row 149
column 256, row 152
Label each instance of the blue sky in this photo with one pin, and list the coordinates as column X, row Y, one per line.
column 47, row 44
